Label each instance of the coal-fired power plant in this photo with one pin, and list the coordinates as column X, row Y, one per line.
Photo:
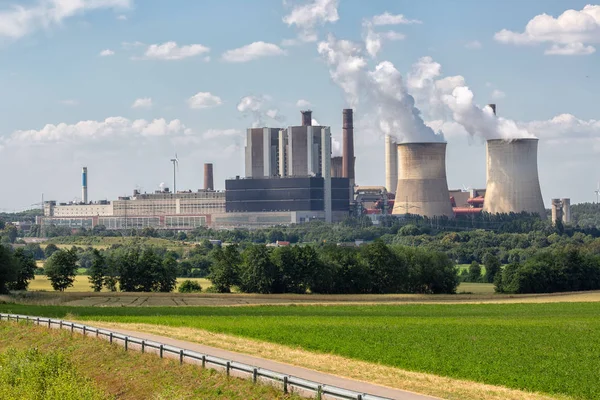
column 422, row 187
column 348, row 146
column 513, row 184
column 208, row 177
column 391, row 164
column 84, row 192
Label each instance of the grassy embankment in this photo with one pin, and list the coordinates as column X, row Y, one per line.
column 111, row 373
column 550, row 348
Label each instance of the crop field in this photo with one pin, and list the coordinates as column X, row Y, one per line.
column 82, row 284
column 100, row 242
column 112, row 373
column 550, row 348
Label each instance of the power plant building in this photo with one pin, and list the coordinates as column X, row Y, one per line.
column 262, row 152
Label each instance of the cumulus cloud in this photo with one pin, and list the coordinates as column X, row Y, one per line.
column 258, row 108
column 112, row 127
column 308, row 16
column 145, row 102
column 303, row 104
column 122, row 17
column 170, row 51
column 474, row 45
column 383, row 89
column 204, row 100
column 252, row 51
column 19, row 20
column 390, row 19
column 571, row 33
column 69, row 102
column 565, row 127
column 106, row 53
column 498, row 94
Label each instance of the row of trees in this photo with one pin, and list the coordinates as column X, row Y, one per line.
column 17, row 268
column 374, row 268
column 561, row 270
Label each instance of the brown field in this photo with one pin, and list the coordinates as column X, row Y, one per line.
column 428, row 384
column 82, row 284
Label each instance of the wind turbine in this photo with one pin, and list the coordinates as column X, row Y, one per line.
column 175, row 162
column 597, row 191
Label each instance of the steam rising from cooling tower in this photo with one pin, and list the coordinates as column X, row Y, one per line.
column 422, row 187
column 512, row 177
column 382, row 89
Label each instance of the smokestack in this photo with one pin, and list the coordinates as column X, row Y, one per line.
column 348, row 146
column 84, row 194
column 422, row 187
column 306, row 118
column 391, row 164
column 512, row 177
column 493, row 107
column 208, row 177
column 336, row 167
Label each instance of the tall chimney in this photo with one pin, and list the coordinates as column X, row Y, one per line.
column 84, row 194
column 493, row 107
column 208, row 177
column 348, row 146
column 306, row 118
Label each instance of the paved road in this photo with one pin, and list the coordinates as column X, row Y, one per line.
column 282, row 368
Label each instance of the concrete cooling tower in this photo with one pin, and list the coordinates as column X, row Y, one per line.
column 512, row 177
column 422, row 187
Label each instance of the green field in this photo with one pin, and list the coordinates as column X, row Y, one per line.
column 551, row 348
column 62, row 364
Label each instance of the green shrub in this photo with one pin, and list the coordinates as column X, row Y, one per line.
column 189, row 286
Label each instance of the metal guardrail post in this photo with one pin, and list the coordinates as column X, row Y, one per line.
column 17, row 318
column 285, row 384
column 319, row 392
column 50, row 323
column 72, row 327
column 110, row 338
column 161, row 349
column 254, row 375
column 180, row 357
column 60, row 323
column 203, row 361
column 97, row 332
column 84, row 334
column 143, row 345
column 228, row 367
column 126, row 343
column 38, row 321
column 359, row 397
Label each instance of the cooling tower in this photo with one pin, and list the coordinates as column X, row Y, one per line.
column 422, row 188
column 512, row 177
column 391, row 164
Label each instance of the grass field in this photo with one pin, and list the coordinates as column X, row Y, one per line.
column 128, row 375
column 550, row 348
column 82, row 284
column 100, row 242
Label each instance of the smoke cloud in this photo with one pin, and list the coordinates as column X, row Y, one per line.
column 383, row 87
column 257, row 108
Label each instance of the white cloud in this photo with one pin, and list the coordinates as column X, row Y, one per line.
column 257, row 107
column 568, row 34
column 308, row 16
column 172, row 51
column 106, row 53
column 498, row 94
column 374, row 40
column 19, row 21
column 70, row 102
column 130, row 45
column 303, row 104
column 252, row 51
column 474, row 45
column 112, row 127
column 219, row 133
column 390, row 19
column 145, row 102
column 565, row 127
column 571, row 49
column 204, row 100
column 122, row 17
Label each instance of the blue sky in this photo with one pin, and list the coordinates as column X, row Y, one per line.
column 51, row 72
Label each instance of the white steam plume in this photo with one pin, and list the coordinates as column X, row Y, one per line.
column 257, row 108
column 383, row 87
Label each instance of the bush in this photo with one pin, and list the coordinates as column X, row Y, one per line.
column 189, row 286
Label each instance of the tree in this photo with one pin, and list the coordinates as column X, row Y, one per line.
column 189, row 286
column 474, row 272
column 224, row 272
column 166, row 277
column 258, row 273
column 97, row 271
column 492, row 267
column 8, row 268
column 26, row 267
column 11, row 232
column 61, row 269
column 50, row 249
column 388, row 271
